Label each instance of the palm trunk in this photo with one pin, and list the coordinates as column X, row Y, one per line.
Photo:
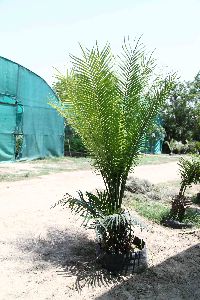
column 182, row 190
column 115, row 187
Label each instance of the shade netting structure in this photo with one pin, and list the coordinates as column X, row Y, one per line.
column 29, row 127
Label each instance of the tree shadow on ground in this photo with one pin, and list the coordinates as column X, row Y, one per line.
column 177, row 278
column 73, row 254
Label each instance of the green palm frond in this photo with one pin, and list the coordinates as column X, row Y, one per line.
column 116, row 232
column 190, row 172
column 110, row 102
column 89, row 206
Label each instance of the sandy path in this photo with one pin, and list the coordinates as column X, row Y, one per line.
column 27, row 223
column 36, row 242
column 158, row 173
column 46, row 190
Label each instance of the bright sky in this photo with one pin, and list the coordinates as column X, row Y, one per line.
column 39, row 34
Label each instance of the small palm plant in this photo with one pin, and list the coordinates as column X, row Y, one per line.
column 111, row 102
column 190, row 174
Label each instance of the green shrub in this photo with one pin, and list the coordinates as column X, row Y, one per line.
column 193, row 147
column 197, row 145
column 192, row 217
column 196, row 199
column 74, row 144
column 18, row 144
column 176, row 147
column 190, row 174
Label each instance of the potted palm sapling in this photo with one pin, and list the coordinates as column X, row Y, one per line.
column 190, row 174
column 111, row 102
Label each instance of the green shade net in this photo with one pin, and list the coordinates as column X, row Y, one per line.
column 152, row 146
column 25, row 113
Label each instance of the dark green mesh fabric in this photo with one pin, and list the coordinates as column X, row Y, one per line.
column 25, row 113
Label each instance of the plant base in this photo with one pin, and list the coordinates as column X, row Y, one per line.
column 176, row 224
column 123, row 264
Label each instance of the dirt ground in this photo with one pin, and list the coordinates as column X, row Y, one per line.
column 45, row 254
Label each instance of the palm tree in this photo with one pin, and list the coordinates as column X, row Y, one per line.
column 110, row 102
column 189, row 170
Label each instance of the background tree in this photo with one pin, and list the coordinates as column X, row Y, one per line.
column 73, row 144
column 194, row 94
column 181, row 113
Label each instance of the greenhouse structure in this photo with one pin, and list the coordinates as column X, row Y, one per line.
column 29, row 127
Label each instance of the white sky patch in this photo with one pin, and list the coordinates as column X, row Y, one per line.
column 40, row 34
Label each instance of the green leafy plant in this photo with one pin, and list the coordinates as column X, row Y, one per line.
column 176, row 147
column 73, row 145
column 181, row 113
column 114, row 230
column 190, row 174
column 193, row 147
column 198, row 146
column 18, row 144
column 111, row 102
